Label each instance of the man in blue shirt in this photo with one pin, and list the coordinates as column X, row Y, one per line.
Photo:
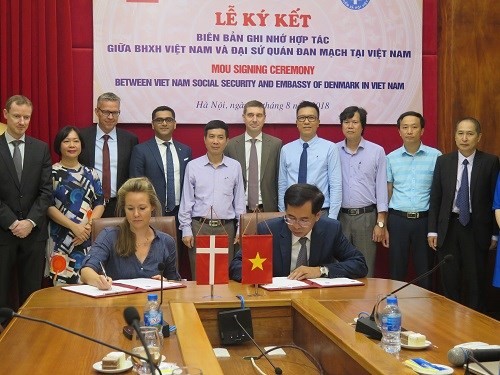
column 320, row 166
column 364, row 186
column 213, row 194
column 409, row 178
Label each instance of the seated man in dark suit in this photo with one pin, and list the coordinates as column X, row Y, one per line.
column 307, row 245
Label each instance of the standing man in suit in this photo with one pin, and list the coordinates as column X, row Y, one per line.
column 461, row 221
column 25, row 195
column 364, row 186
column 306, row 244
column 150, row 159
column 409, row 179
column 313, row 160
column 105, row 139
column 258, row 154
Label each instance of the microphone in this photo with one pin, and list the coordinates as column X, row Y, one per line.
column 5, row 312
column 367, row 325
column 277, row 370
column 458, row 356
column 132, row 318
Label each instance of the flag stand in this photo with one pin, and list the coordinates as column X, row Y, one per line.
column 212, row 296
column 256, row 291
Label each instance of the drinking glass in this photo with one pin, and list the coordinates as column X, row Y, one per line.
column 153, row 342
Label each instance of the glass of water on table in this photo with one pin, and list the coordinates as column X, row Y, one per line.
column 153, row 342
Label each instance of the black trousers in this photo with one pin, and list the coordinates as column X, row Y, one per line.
column 464, row 278
column 405, row 234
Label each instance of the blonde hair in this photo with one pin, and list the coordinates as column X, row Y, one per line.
column 125, row 244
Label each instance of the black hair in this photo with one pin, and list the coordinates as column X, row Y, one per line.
column 61, row 136
column 299, row 194
column 162, row 108
column 217, row 124
column 412, row 113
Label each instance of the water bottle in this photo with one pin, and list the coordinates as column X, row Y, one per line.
column 391, row 327
column 153, row 315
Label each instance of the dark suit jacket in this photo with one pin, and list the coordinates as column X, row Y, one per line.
column 126, row 142
column 269, row 169
column 31, row 198
column 329, row 247
column 482, row 187
column 146, row 161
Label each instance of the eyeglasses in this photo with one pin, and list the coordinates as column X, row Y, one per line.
column 308, row 118
column 107, row 113
column 166, row 120
column 304, row 223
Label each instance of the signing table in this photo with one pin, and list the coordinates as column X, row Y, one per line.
column 318, row 320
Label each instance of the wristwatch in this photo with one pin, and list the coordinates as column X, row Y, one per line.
column 324, row 271
column 380, row 224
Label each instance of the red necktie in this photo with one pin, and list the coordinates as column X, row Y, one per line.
column 106, row 170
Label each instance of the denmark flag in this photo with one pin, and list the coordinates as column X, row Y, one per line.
column 212, row 264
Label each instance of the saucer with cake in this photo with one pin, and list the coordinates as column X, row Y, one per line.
column 113, row 363
column 414, row 340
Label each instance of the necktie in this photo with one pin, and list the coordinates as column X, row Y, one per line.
column 253, row 177
column 302, row 257
column 106, row 169
column 16, row 157
column 303, row 165
column 170, row 179
column 463, row 197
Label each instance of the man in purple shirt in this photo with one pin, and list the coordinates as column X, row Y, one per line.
column 213, row 194
column 364, row 186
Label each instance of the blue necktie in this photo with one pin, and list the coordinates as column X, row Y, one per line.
column 463, row 197
column 170, row 179
column 303, row 165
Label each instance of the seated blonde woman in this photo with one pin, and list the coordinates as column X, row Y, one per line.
column 133, row 249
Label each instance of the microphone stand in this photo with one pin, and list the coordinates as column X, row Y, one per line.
column 16, row 315
column 277, row 370
column 165, row 328
column 470, row 357
column 367, row 325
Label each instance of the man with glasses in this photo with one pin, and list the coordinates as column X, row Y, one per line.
column 162, row 160
column 307, row 244
column 313, row 160
column 108, row 149
column 258, row 154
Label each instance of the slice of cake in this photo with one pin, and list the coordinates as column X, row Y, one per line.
column 113, row 361
column 411, row 338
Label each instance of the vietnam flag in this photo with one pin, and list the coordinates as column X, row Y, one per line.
column 212, row 265
column 257, row 259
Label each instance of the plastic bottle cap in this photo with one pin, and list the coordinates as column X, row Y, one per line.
column 152, row 297
column 392, row 300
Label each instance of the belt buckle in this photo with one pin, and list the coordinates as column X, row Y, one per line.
column 353, row 211
column 412, row 215
column 213, row 223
